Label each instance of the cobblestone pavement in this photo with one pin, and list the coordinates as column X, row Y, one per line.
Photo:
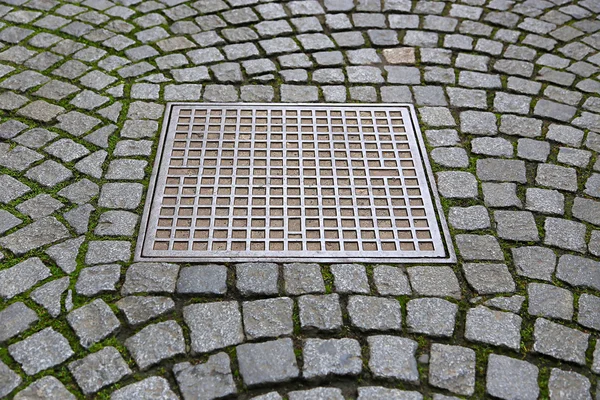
column 507, row 93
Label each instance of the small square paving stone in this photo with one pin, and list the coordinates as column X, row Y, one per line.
column 503, row 372
column 46, row 385
column 210, row 380
column 99, row 370
column 15, row 319
column 107, row 251
column 492, row 146
column 457, row 185
column 493, row 169
column 22, row 276
column 267, row 362
column 437, row 116
column 545, row 201
column 559, row 341
column 268, row 317
column 565, row 234
column 534, row 262
column 478, row 123
column 138, row 309
column 313, row 394
column 320, row 312
column 303, row 278
column 40, row 351
column 568, row 385
column 202, row 279
column 469, row 218
column 535, row 150
column 213, row 325
column 479, row 247
column 393, row 357
column 297, row 93
column 99, row 279
column 500, row 195
column 9, row 380
column 431, row 316
column 146, row 389
column 116, row 223
column 391, row 280
column 93, row 322
column 373, row 313
column 49, row 295
column 550, row 301
column 126, row 169
column 49, row 173
column 452, row 368
column 8, row 221
column 38, row 207
column 516, row 225
column 11, row 189
column 589, row 311
column 257, row 278
column 497, row 328
column 155, row 343
column 450, row 157
column 150, row 278
column 556, row 177
column 323, row 358
column 350, row 278
column 489, row 278
column 35, row 138
column 434, row 281
column 121, row 195
column 65, row 254
column 579, row 271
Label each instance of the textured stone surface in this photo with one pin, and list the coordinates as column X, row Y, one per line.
column 93, row 322
column 560, row 341
column 212, row 379
column 267, row 362
column 152, row 388
column 213, row 325
column 393, row 357
column 452, row 368
column 503, row 372
column 40, row 351
column 331, row 357
column 99, row 369
column 155, row 343
column 493, row 327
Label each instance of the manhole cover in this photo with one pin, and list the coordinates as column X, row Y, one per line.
column 283, row 182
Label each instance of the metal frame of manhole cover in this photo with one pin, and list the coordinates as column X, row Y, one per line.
column 292, row 182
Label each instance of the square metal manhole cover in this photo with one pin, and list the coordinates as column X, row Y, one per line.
column 289, row 182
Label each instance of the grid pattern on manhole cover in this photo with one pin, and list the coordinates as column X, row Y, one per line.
column 291, row 182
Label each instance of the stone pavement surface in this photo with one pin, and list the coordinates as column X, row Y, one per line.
column 508, row 96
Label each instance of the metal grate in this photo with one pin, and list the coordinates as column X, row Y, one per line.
column 290, row 182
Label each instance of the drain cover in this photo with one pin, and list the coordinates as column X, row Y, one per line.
column 288, row 182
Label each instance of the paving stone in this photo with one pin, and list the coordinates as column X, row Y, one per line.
column 437, row 116
column 478, row 123
column 267, row 362
column 594, row 243
column 15, row 319
column 38, row 207
column 434, row 281
column 93, row 322
column 372, row 313
column 452, row 368
column 22, row 277
column 479, row 247
column 469, row 218
column 303, row 278
column 534, row 150
column 202, row 279
column 12, row 189
column 391, row 280
column 565, row 234
column 9, row 380
column 568, row 385
column 455, row 184
column 213, row 325
column 116, row 223
column 320, row 312
column 155, row 343
column 48, row 387
column 578, row 271
column 503, row 372
column 393, row 357
column 107, row 251
column 516, row 225
column 141, row 309
column 500, row 195
column 489, row 278
column 510, row 303
column 49, row 295
column 381, row 393
column 49, row 173
column 587, row 210
column 559, row 341
column 150, row 278
column 450, row 157
column 99, row 279
column 577, row 158
column 324, row 358
column 99, row 370
column 65, row 254
column 350, row 278
column 8, row 221
column 545, row 201
column 268, row 318
column 550, row 301
column 498, row 147
column 152, row 388
column 316, row 393
column 589, row 311
column 493, row 327
column 210, row 380
column 491, row 169
column 40, row 351
column 120, row 195
column 432, row 317
column 534, row 262
column 257, row 278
